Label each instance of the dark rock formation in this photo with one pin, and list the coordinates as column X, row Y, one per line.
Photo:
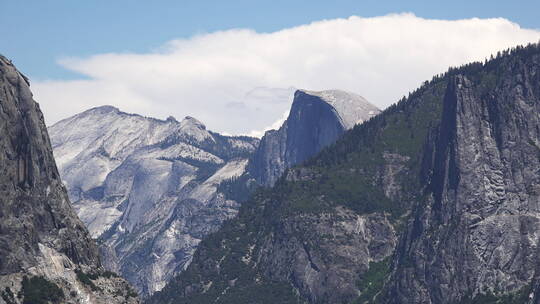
column 40, row 235
column 316, row 120
column 478, row 231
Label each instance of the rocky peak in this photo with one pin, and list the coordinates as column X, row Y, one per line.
column 351, row 108
column 191, row 123
column 148, row 187
column 478, row 229
column 316, row 120
column 102, row 110
column 171, row 119
column 189, row 120
column 191, row 127
column 89, row 145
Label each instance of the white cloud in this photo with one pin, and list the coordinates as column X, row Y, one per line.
column 223, row 78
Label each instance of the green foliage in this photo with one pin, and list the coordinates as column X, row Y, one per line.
column 109, row 274
column 227, row 276
column 237, row 188
column 347, row 173
column 38, row 290
column 86, row 279
column 8, row 296
column 372, row 281
column 267, row 292
column 131, row 293
column 520, row 297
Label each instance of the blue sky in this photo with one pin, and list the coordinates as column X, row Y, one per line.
column 35, row 33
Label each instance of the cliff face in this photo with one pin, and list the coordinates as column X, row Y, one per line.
column 478, row 231
column 40, row 235
column 316, row 120
column 435, row 200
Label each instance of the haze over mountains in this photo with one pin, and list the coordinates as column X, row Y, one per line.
column 150, row 190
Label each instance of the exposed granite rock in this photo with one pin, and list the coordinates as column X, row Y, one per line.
column 147, row 188
column 322, row 255
column 479, row 231
column 40, row 234
column 316, row 120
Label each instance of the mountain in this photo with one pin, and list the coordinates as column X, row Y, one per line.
column 147, row 187
column 316, row 120
column 46, row 253
column 435, row 200
column 150, row 190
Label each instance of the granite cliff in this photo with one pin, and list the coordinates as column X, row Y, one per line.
column 46, row 253
column 316, row 120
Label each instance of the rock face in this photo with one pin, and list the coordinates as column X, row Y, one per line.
column 435, row 200
column 40, row 234
column 325, row 270
column 316, row 120
column 147, row 188
column 478, row 232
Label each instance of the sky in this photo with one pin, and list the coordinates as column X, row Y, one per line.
column 235, row 64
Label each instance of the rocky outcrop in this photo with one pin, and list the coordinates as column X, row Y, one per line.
column 316, row 120
column 478, row 231
column 147, row 188
column 40, row 234
column 322, row 255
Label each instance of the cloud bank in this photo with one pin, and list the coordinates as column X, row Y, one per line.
column 241, row 82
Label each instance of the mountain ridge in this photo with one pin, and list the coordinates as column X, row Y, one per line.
column 126, row 173
column 406, row 169
column 154, row 187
